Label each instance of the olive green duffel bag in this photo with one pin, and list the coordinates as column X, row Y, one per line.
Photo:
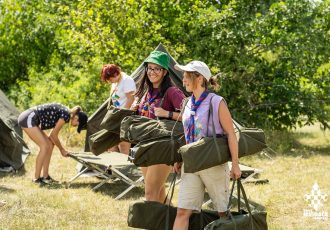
column 108, row 136
column 157, row 141
column 154, row 215
column 252, row 219
column 102, row 140
column 135, row 129
column 113, row 118
column 211, row 151
column 157, row 151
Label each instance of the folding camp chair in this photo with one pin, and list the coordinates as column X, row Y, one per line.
column 107, row 166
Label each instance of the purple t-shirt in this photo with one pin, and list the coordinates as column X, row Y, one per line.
column 202, row 125
column 172, row 101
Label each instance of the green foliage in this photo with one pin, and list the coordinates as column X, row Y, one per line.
column 268, row 55
column 272, row 57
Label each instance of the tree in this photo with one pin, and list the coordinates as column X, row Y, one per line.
column 272, row 56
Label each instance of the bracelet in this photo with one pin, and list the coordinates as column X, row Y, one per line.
column 170, row 114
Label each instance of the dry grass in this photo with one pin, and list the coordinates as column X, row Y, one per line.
column 303, row 158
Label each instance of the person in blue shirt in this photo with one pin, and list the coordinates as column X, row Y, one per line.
column 49, row 116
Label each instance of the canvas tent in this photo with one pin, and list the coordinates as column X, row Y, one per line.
column 13, row 150
column 95, row 119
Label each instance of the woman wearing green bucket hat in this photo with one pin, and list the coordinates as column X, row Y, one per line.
column 159, row 98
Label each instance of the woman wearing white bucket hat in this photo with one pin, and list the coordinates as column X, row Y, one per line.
column 196, row 78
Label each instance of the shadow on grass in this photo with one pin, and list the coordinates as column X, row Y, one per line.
column 4, row 189
column 112, row 189
column 288, row 143
column 17, row 173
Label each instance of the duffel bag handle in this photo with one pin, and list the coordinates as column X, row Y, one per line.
column 240, row 190
column 171, row 189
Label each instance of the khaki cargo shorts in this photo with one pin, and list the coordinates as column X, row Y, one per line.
column 192, row 188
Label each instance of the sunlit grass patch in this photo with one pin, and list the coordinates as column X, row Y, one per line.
column 301, row 159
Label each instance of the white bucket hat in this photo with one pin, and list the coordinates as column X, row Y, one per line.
column 197, row 66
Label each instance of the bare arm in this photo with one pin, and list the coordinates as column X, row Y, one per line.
column 160, row 112
column 53, row 136
column 227, row 125
column 130, row 99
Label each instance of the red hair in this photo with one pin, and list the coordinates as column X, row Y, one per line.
column 109, row 70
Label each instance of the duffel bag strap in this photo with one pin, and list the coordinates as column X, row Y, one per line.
column 171, row 189
column 185, row 102
column 229, row 204
column 246, row 201
column 240, row 190
column 239, row 184
column 213, row 130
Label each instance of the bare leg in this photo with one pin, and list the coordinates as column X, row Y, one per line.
column 144, row 171
column 182, row 219
column 124, row 147
column 155, row 179
column 45, row 165
column 37, row 135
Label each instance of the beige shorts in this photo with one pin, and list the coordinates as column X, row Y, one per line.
column 192, row 188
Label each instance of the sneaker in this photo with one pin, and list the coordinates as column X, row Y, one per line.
column 108, row 171
column 39, row 181
column 49, row 180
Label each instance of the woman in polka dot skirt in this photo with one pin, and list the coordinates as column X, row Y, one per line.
column 49, row 116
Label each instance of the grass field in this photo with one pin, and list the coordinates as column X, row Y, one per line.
column 302, row 159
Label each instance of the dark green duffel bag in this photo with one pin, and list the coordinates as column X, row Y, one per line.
column 250, row 140
column 157, row 141
column 211, row 151
column 157, row 151
column 159, row 216
column 252, row 219
column 108, row 136
column 102, row 140
column 153, row 215
column 203, row 154
column 113, row 118
column 136, row 128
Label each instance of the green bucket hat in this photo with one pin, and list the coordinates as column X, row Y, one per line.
column 159, row 58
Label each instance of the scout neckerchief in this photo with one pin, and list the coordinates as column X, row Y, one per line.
column 146, row 107
column 190, row 137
